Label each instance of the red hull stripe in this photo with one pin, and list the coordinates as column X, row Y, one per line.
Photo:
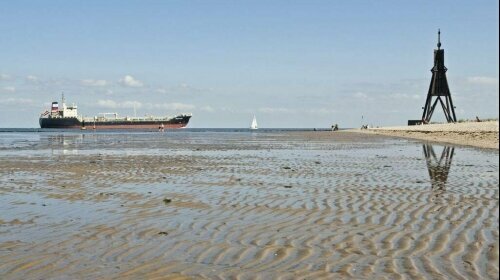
column 143, row 126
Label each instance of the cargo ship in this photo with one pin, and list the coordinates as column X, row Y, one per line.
column 67, row 117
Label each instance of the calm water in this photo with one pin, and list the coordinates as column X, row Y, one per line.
column 35, row 143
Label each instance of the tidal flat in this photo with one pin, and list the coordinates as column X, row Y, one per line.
column 245, row 205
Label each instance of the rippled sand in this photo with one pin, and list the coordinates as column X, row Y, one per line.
column 289, row 205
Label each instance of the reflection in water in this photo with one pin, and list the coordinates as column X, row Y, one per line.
column 438, row 168
column 65, row 139
column 66, row 144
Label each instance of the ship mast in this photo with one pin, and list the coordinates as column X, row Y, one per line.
column 62, row 98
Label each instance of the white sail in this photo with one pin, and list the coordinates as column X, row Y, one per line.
column 254, row 123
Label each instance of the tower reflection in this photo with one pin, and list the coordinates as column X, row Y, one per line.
column 438, row 168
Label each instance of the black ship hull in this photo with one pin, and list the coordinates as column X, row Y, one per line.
column 60, row 123
column 75, row 123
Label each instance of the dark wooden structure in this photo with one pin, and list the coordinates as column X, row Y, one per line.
column 439, row 89
column 415, row 122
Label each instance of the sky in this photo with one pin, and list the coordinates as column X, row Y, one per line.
column 292, row 64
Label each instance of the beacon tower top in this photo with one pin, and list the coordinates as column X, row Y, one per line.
column 439, row 39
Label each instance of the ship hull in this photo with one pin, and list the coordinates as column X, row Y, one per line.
column 75, row 123
column 60, row 123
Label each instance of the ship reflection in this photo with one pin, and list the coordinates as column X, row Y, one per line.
column 65, row 144
column 438, row 168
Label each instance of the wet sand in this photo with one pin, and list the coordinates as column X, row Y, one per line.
column 290, row 205
column 476, row 134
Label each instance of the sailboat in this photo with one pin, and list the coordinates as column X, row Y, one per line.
column 254, row 123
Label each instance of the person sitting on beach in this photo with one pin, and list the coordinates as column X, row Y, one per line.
column 477, row 119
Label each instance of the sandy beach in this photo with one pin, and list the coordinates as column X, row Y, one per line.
column 476, row 134
column 287, row 205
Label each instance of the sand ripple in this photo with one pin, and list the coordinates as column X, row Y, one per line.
column 247, row 206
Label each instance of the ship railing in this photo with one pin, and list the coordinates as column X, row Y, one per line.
column 106, row 114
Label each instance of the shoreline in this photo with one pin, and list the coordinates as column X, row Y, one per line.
column 475, row 134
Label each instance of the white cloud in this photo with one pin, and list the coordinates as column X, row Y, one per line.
column 129, row 81
column 5, row 77
column 94, row 83
column 32, row 79
column 9, row 89
column 483, row 80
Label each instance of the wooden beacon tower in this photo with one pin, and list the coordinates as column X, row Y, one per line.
column 439, row 89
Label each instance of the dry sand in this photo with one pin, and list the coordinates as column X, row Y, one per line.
column 325, row 205
column 477, row 134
